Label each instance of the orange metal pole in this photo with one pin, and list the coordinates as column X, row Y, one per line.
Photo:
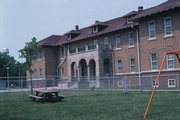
column 157, row 79
column 178, row 57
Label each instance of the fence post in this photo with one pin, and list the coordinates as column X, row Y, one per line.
column 177, row 82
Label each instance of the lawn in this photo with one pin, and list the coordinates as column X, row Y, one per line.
column 89, row 105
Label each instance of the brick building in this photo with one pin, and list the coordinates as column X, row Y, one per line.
column 131, row 45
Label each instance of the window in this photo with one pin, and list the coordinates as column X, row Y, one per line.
column 119, row 64
column 120, row 83
column 171, row 83
column 132, row 65
column 95, row 43
column 40, row 73
column 95, row 29
column 106, row 43
column 118, row 41
column 154, row 82
column 128, row 19
column 152, row 30
column 62, row 52
column 86, row 45
column 154, row 61
column 131, row 39
column 168, row 26
column 170, row 61
column 40, row 54
column 69, row 37
column 62, row 71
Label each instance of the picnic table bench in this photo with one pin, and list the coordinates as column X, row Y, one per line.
column 47, row 95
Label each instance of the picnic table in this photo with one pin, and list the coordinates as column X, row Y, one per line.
column 46, row 95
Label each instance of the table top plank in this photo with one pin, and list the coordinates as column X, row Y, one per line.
column 46, row 90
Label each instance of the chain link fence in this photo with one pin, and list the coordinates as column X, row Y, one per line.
column 87, row 85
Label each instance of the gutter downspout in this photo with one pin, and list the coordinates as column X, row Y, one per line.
column 139, row 60
column 61, row 62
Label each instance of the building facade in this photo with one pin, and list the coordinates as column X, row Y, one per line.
column 131, row 45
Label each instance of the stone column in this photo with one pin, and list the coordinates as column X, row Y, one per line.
column 78, row 69
column 88, row 72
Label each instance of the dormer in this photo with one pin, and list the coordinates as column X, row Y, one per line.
column 98, row 26
column 73, row 33
column 129, row 16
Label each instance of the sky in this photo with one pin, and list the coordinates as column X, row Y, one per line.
column 21, row 20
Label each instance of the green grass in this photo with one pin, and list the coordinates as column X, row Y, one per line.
column 89, row 105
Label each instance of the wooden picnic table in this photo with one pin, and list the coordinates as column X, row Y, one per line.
column 47, row 95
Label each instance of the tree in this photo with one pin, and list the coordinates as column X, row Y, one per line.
column 27, row 53
column 8, row 61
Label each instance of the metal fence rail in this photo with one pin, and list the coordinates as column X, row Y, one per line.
column 121, row 83
column 16, row 88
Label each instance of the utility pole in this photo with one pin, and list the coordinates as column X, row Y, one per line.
column 7, row 68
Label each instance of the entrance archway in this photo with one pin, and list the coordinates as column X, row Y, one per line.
column 83, row 68
column 92, row 68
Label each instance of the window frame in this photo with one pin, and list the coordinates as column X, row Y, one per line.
column 153, row 83
column 153, row 61
column 119, row 66
column 95, row 29
column 132, row 65
column 149, row 30
column 171, row 86
column 69, row 37
column 130, row 39
column 165, row 27
column 118, row 36
column 167, row 59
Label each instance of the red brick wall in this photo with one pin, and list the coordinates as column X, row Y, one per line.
column 161, row 44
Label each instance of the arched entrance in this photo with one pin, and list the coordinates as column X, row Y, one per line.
column 74, row 72
column 83, row 68
column 92, row 68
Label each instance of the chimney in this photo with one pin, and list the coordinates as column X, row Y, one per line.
column 96, row 21
column 77, row 27
column 140, row 8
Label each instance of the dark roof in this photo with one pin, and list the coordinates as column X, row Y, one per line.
column 170, row 4
column 73, row 32
column 112, row 25
column 98, row 23
column 131, row 13
column 52, row 40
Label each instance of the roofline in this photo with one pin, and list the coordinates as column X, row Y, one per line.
column 66, row 42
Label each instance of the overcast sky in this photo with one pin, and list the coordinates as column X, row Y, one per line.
column 20, row 20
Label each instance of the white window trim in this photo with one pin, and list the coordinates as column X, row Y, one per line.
column 153, row 38
column 119, row 83
column 131, row 66
column 130, row 46
column 95, row 42
column 69, row 37
column 95, row 29
column 107, row 38
column 154, row 61
column 118, row 35
column 167, row 63
column 166, row 26
column 119, row 66
column 171, row 85
column 154, row 83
